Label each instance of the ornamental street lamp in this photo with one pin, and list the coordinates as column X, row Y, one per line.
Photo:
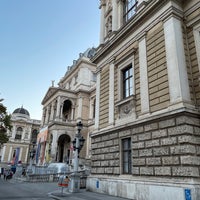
column 78, row 143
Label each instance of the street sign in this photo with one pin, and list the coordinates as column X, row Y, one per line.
column 188, row 194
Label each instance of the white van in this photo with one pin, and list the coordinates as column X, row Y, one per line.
column 57, row 168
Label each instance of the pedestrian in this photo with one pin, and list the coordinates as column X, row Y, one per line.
column 4, row 174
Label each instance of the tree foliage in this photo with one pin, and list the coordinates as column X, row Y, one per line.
column 5, row 123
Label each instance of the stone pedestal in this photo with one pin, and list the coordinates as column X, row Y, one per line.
column 75, row 182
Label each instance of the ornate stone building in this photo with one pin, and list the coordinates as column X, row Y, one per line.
column 63, row 106
column 22, row 137
column 146, row 142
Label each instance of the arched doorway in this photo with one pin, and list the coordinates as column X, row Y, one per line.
column 63, row 148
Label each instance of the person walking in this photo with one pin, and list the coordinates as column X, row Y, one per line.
column 5, row 174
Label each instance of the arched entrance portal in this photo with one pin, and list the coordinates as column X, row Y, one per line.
column 63, row 153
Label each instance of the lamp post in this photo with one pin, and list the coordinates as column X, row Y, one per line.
column 78, row 143
column 31, row 155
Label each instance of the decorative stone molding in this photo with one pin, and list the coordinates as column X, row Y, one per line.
column 126, row 107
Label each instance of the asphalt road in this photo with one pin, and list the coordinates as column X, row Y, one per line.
column 20, row 190
column 11, row 190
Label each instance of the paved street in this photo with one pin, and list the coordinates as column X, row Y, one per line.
column 14, row 190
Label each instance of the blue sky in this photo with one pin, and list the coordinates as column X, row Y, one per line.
column 38, row 40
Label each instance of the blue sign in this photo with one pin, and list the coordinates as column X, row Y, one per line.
column 97, row 184
column 188, row 194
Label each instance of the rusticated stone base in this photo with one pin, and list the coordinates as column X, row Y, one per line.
column 163, row 148
column 145, row 188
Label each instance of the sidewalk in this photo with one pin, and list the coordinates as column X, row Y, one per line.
column 83, row 194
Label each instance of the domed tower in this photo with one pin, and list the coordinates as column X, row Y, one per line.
column 21, row 112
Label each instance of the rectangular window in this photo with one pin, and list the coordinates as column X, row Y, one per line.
column 128, row 82
column 129, row 9
column 126, row 156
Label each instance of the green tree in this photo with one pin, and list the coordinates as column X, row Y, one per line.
column 5, row 123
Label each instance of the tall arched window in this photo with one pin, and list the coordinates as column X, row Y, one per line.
column 34, row 136
column 18, row 135
column 67, row 110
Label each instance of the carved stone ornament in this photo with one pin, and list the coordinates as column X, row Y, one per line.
column 126, row 107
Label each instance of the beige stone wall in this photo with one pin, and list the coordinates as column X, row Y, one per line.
column 157, row 69
column 192, row 65
column 164, row 147
column 85, row 108
column 104, row 97
column 188, row 64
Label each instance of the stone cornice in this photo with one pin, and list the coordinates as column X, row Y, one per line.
column 147, row 119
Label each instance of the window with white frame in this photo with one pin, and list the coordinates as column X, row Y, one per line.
column 125, row 106
column 18, row 135
column 126, row 79
column 129, row 9
column 127, row 74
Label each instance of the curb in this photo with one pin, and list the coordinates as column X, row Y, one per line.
column 58, row 195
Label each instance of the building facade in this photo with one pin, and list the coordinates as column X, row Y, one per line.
column 23, row 136
column 146, row 142
column 63, row 106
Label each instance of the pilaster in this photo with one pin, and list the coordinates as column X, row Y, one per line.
column 58, row 108
column 144, row 91
column 176, row 61
column 9, row 155
column 97, row 110
column 102, row 24
column 80, row 105
column 114, row 15
column 111, row 93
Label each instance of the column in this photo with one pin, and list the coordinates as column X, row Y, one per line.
column 43, row 117
column 3, row 154
column 14, row 131
column 52, row 112
column 58, row 108
column 72, row 114
column 102, row 25
column 9, row 155
column 144, row 91
column 97, row 110
column 176, row 61
column 111, row 94
column 27, row 155
column 20, row 152
column 80, row 105
column 47, row 115
column 114, row 15
column 23, row 133
column 120, row 13
column 91, row 109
